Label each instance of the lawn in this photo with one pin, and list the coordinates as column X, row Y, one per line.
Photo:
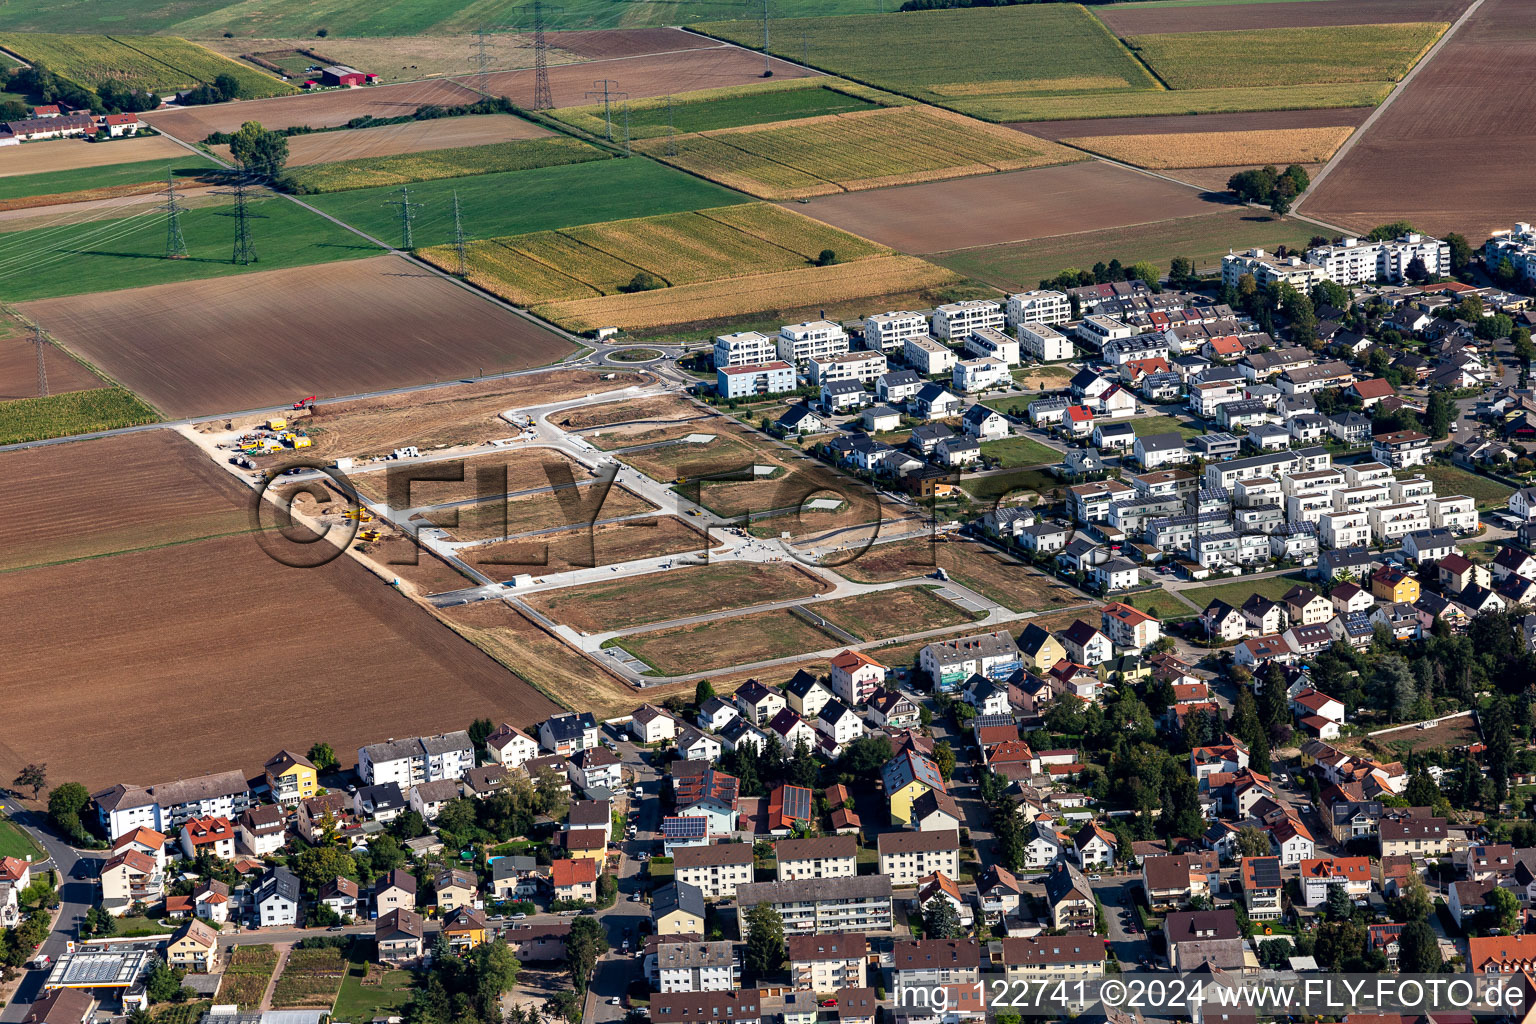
column 140, row 62
column 730, row 107
column 435, row 164
column 55, row 183
column 683, row 592
column 1204, row 239
column 1238, row 591
column 1449, row 480
column 952, row 57
column 74, row 412
column 1012, row 452
column 1145, row 426
column 517, row 202
column 130, row 252
column 1322, row 55
column 368, row 991
column 16, row 843
column 743, row 640
column 891, row 613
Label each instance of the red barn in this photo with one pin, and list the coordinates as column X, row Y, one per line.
column 340, row 74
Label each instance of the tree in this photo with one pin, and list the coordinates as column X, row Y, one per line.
column 1439, row 415
column 1497, row 733
column 65, row 804
column 1146, row 272
column 34, row 776
column 1506, row 908
column 324, row 758
column 703, row 692
column 1275, row 954
column 643, row 282
column 1330, row 293
column 941, row 920
column 1280, row 202
column 1252, row 186
column 1422, row 790
column 1251, row 842
column 825, row 258
column 803, row 769
column 163, row 983
column 1339, row 907
column 585, row 942
column 228, row 86
column 765, row 940
column 259, row 151
column 944, row 757
column 1394, row 683
column 1415, row 898
column 1181, row 272
column 1417, row 272
column 1298, row 178
column 1418, row 951
column 320, row 864
column 496, row 970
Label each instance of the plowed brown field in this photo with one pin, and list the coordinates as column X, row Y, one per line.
column 659, row 74
column 73, row 154
column 1453, row 152
column 262, row 339
column 415, row 137
column 216, row 640
column 18, row 370
column 322, row 110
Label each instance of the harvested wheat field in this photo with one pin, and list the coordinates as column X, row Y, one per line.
column 456, row 414
column 1413, row 163
column 606, row 44
column 414, row 137
column 1218, row 149
column 73, row 154
column 1179, row 124
column 265, row 338
column 741, row 640
column 18, row 368
column 418, row 486
column 91, row 498
column 321, row 110
column 585, row 548
column 1024, row 204
column 548, row 665
column 394, row 58
column 211, row 636
column 644, row 75
column 1142, row 18
column 547, row 512
column 678, row 594
column 853, row 151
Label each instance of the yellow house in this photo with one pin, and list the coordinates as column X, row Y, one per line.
column 586, row 844
column 465, row 928
column 455, row 888
column 192, row 947
column 1039, row 649
column 678, row 909
column 1390, row 583
column 291, row 777
column 908, row 776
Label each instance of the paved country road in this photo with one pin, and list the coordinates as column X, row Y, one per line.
column 77, row 894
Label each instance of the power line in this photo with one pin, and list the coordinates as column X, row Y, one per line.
column 42, row 369
column 626, row 128
column 480, row 55
column 175, row 244
column 245, row 243
column 405, row 206
column 671, row 132
column 543, row 98
column 458, row 235
column 604, row 87
column 767, row 60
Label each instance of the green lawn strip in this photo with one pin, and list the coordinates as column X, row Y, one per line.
column 727, row 108
column 1204, row 238
column 1013, row 452
column 1238, row 591
column 516, row 202
column 74, row 412
column 14, row 842
column 1146, row 426
column 129, row 252
column 54, row 183
column 436, row 164
column 356, row 1002
column 1449, row 480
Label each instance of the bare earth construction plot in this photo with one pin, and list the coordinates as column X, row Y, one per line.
column 679, row 594
column 74, row 154
column 339, row 329
column 1413, row 162
column 743, row 640
column 586, row 547
column 987, row 572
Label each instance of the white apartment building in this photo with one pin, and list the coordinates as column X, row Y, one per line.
column 1044, row 342
column 955, row 320
column 716, row 869
column 823, row 857
column 927, row 356
column 1355, row 262
column 1096, row 330
column 1268, row 269
column 1362, row 473
column 1040, row 307
column 1415, row 488
column 414, row 761
column 885, row 332
column 986, row 343
column 908, row 857
column 826, row 963
column 1308, row 508
column 972, row 375
column 697, row 967
column 863, row 367
column 1350, row 499
column 1518, row 245
column 1457, row 513
column 816, row 907
column 814, row 339
column 1344, row 529
column 745, row 348
column 1391, row 523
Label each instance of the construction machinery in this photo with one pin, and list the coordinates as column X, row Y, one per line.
column 304, row 403
column 362, row 515
column 368, row 536
column 277, row 423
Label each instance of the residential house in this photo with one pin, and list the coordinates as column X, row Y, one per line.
column 907, row 857
column 262, row 830
column 826, row 963
column 716, row 870
column 1069, row 897
column 192, row 947
column 677, row 908
column 510, row 746
column 290, row 777
column 278, row 899
column 1197, row 938
column 575, row 880
column 398, row 936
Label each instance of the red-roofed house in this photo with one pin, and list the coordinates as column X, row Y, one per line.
column 213, row 836
column 1320, row 875
column 1370, row 391
column 1130, row 628
column 574, row 878
column 855, row 677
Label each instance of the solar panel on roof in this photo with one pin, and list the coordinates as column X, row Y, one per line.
column 685, row 828
column 797, row 802
column 1266, row 872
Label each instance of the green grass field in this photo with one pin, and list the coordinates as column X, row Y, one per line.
column 1020, row 451
column 1286, row 56
column 142, row 62
column 517, row 202
column 953, row 57
column 436, row 164
column 1148, row 425
column 388, row 998
column 1204, row 239
column 16, row 843
column 1238, row 591
column 59, row 182
column 77, row 412
column 725, row 108
column 129, row 252
column 1451, row 480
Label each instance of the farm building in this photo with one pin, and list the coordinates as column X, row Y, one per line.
column 341, row 74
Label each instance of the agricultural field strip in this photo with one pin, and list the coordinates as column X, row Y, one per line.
column 1218, row 149
column 137, row 61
